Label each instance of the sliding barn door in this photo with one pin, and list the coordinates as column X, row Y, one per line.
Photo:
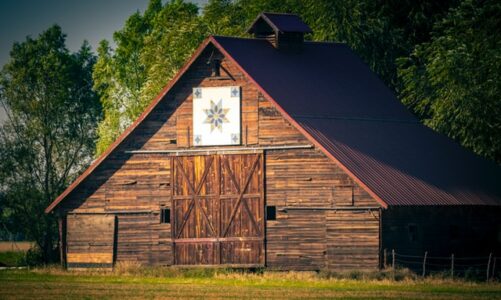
column 195, row 201
column 242, row 209
column 218, row 210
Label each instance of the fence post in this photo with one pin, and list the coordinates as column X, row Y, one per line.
column 494, row 267
column 384, row 258
column 489, row 265
column 393, row 258
column 393, row 262
column 424, row 262
column 452, row 266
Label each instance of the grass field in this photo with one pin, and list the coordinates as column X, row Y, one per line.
column 52, row 283
column 13, row 254
column 12, row 259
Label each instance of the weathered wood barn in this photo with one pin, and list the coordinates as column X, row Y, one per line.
column 278, row 152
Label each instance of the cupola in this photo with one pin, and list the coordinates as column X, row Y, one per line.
column 284, row 31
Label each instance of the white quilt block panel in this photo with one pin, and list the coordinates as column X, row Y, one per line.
column 216, row 116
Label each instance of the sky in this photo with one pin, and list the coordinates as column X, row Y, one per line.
column 91, row 20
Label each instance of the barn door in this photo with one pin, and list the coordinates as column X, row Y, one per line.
column 242, row 210
column 195, row 209
column 218, row 210
column 90, row 241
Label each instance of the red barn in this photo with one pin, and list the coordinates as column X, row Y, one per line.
column 278, row 152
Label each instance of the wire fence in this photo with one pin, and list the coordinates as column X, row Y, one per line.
column 487, row 267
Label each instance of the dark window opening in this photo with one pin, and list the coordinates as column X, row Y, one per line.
column 413, row 232
column 216, row 67
column 165, row 215
column 271, row 213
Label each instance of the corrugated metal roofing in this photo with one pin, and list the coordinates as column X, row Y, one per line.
column 346, row 108
column 283, row 22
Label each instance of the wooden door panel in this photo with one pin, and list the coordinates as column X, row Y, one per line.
column 196, row 254
column 194, row 199
column 182, row 173
column 199, row 221
column 194, row 175
column 242, row 253
column 205, row 176
column 247, row 219
column 90, row 241
column 236, row 169
column 216, row 198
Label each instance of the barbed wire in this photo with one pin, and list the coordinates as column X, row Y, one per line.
column 454, row 265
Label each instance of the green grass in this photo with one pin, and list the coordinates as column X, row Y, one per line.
column 12, row 258
column 53, row 283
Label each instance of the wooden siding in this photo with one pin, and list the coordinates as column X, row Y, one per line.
column 135, row 186
column 352, row 240
column 308, row 239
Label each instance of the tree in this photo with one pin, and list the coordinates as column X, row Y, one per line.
column 49, row 136
column 175, row 34
column 150, row 49
column 453, row 81
column 119, row 75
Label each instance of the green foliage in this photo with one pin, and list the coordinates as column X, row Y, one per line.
column 12, row 258
column 120, row 74
column 176, row 32
column 453, row 81
column 150, row 49
column 441, row 65
column 49, row 135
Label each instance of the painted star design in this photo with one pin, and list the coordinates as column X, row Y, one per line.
column 216, row 115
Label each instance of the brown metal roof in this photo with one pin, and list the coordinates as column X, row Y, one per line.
column 333, row 98
column 350, row 114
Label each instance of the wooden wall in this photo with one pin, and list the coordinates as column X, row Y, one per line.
column 306, row 236
column 441, row 231
column 303, row 184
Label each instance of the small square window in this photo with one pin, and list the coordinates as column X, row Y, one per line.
column 165, row 215
column 271, row 213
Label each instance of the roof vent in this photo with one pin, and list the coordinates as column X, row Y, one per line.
column 283, row 31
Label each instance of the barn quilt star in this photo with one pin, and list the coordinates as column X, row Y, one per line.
column 216, row 115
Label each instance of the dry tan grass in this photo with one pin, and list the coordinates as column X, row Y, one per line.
column 127, row 267
column 15, row 246
column 55, row 283
column 269, row 275
column 136, row 271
